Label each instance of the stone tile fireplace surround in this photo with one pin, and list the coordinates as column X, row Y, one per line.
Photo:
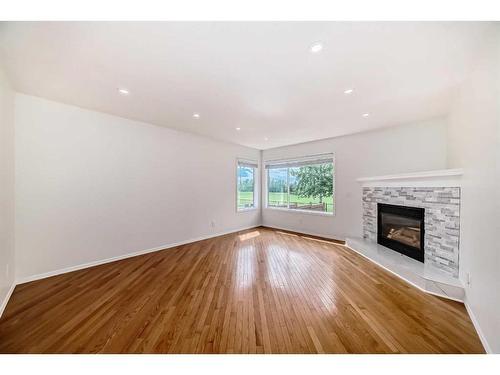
column 442, row 219
column 439, row 193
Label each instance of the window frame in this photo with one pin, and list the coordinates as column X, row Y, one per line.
column 265, row 187
column 255, row 190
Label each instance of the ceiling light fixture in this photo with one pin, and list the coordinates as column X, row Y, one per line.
column 238, row 129
column 316, row 47
column 196, row 115
column 365, row 115
column 348, row 91
column 266, row 139
column 123, row 91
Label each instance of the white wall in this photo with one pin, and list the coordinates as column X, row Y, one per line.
column 6, row 189
column 409, row 148
column 91, row 186
column 474, row 144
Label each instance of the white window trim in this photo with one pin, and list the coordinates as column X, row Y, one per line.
column 256, row 179
column 265, row 192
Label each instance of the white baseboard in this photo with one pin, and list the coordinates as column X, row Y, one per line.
column 303, row 232
column 6, row 299
column 473, row 318
column 44, row 275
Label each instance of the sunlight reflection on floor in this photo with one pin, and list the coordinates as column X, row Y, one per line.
column 247, row 236
column 245, row 267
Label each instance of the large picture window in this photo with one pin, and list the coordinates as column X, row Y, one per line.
column 246, row 178
column 304, row 184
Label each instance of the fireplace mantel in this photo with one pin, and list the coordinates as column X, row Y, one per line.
column 438, row 192
column 443, row 177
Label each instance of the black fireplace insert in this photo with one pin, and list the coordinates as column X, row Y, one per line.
column 401, row 228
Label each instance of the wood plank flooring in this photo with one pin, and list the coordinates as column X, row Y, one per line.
column 256, row 291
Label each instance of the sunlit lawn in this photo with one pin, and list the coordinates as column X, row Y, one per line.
column 280, row 198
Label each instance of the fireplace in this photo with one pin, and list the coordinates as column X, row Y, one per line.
column 401, row 228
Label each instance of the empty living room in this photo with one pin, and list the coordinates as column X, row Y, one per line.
column 249, row 187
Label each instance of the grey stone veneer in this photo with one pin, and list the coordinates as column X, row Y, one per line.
column 442, row 219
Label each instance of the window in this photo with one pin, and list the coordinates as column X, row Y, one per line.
column 246, row 177
column 304, row 184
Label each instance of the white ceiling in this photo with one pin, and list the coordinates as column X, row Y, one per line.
column 258, row 76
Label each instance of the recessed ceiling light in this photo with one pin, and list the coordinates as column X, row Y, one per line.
column 123, row 91
column 238, row 129
column 266, row 139
column 365, row 115
column 196, row 115
column 348, row 91
column 316, row 47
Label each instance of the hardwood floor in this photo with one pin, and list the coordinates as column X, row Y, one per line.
column 257, row 291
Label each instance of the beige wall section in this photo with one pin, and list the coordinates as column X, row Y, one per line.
column 409, row 148
column 6, row 189
column 474, row 145
column 91, row 186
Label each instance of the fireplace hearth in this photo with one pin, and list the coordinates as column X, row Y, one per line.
column 401, row 228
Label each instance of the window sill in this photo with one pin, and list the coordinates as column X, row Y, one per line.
column 238, row 210
column 306, row 212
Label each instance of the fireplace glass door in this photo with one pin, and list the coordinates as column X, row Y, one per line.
column 402, row 229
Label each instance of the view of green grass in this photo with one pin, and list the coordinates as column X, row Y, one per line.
column 280, row 198
column 245, row 199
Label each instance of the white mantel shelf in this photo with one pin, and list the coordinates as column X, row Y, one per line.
column 442, row 177
column 415, row 175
